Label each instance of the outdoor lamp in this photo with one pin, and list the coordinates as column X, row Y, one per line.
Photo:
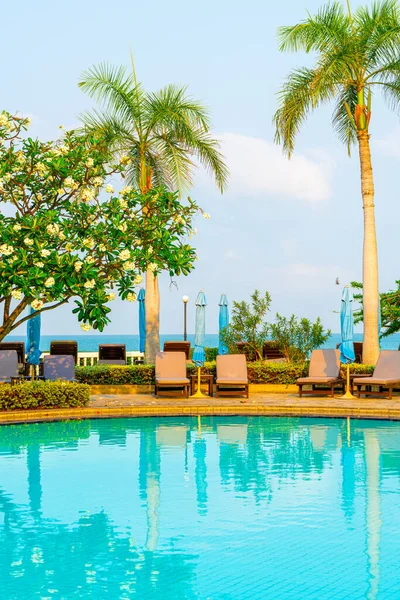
column 185, row 300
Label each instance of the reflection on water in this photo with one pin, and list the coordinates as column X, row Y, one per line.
column 215, row 508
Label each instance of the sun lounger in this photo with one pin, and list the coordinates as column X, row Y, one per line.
column 59, row 367
column 8, row 366
column 112, row 354
column 178, row 347
column 171, row 373
column 324, row 371
column 64, row 348
column 19, row 347
column 232, row 377
column 386, row 375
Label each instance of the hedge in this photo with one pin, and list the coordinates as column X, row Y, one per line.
column 43, row 394
column 258, row 372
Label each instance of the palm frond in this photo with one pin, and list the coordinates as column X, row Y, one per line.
column 328, row 29
column 343, row 122
column 113, row 88
column 378, row 32
column 295, row 102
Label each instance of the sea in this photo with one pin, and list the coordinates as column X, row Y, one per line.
column 90, row 343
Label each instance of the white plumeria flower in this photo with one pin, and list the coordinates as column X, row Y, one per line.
column 78, row 265
column 124, row 255
column 50, row 281
column 129, row 265
column 111, row 296
column 102, row 247
column 123, row 227
column 90, row 284
column 86, row 327
column 69, row 182
column 206, row 215
column 6, row 250
column 138, row 280
column 152, row 267
column 3, row 120
column 39, row 264
column 123, row 203
column 88, row 243
column 90, row 260
column 97, row 181
column 17, row 227
column 131, row 297
column 37, row 304
column 126, row 190
column 45, row 253
column 109, row 189
column 17, row 294
column 53, row 229
column 87, row 194
column 28, row 241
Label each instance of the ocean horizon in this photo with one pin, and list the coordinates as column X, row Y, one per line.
column 90, row 343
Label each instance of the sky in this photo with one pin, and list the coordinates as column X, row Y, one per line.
column 289, row 227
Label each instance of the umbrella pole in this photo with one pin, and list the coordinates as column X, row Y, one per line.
column 348, row 393
column 198, row 393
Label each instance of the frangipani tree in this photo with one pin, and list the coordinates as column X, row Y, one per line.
column 356, row 54
column 61, row 240
column 165, row 134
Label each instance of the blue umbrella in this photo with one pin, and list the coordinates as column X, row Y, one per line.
column 223, row 322
column 347, row 354
column 199, row 355
column 142, row 320
column 33, row 339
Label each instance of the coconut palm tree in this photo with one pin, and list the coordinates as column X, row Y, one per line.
column 164, row 134
column 356, row 54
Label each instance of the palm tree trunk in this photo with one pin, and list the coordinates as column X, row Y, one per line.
column 370, row 254
column 152, row 317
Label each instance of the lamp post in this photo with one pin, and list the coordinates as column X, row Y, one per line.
column 185, row 300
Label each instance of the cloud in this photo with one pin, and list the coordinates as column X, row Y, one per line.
column 390, row 144
column 258, row 167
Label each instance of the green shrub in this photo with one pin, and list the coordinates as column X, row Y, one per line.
column 211, row 353
column 297, row 338
column 356, row 368
column 43, row 394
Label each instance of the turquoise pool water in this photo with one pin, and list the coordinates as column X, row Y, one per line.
column 222, row 508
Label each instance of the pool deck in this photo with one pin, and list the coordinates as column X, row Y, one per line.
column 268, row 404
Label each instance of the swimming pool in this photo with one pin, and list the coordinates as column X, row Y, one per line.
column 217, row 508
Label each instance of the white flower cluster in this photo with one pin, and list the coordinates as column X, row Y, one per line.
column 88, row 242
column 45, row 253
column 4, row 122
column 126, row 190
column 90, row 284
column 37, row 304
column 78, row 265
column 138, row 280
column 124, row 255
column 152, row 267
column 17, row 227
column 87, row 194
column 86, row 327
column 53, row 229
column 123, row 227
column 61, row 150
column 131, row 297
column 109, row 189
column 97, row 181
column 70, row 183
column 206, row 215
column 40, row 168
column 28, row 241
column 6, row 250
column 129, row 265
column 50, row 281
column 111, row 296
column 17, row 294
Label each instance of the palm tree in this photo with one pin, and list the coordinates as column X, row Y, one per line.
column 357, row 53
column 163, row 133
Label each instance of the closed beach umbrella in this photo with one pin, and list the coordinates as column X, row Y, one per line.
column 142, row 320
column 33, row 339
column 199, row 355
column 223, row 322
column 347, row 354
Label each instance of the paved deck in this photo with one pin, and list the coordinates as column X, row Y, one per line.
column 107, row 406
